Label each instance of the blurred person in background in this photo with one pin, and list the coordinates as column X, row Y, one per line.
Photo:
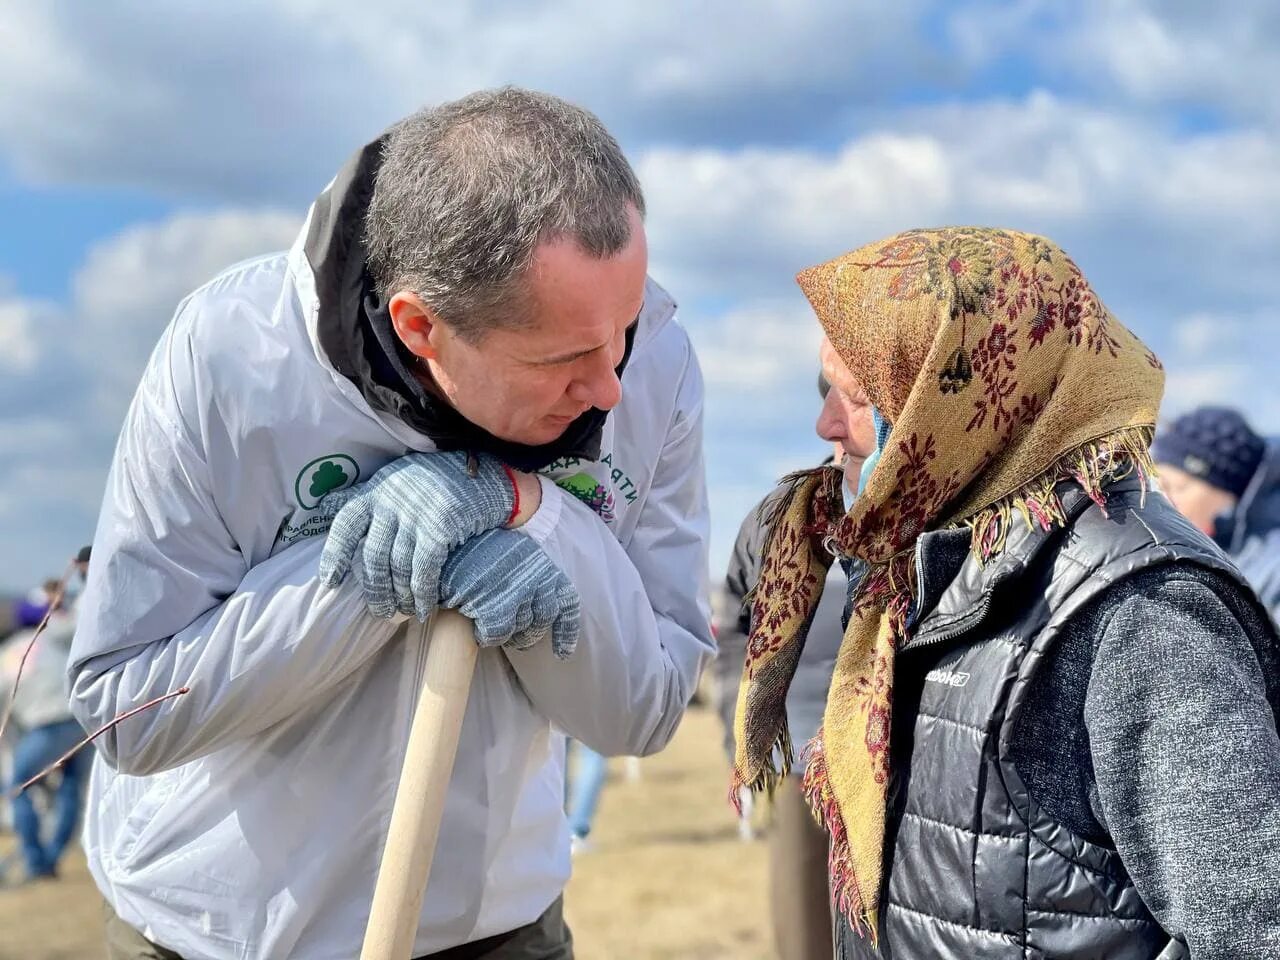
column 30, row 610
column 1225, row 478
column 44, row 730
column 79, row 576
column 588, row 773
column 798, row 891
column 8, row 615
column 1051, row 730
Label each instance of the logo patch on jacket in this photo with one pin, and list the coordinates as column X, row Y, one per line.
column 593, row 494
column 948, row 678
column 323, row 475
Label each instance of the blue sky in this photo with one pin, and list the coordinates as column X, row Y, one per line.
column 145, row 146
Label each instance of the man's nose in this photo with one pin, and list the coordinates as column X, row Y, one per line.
column 598, row 386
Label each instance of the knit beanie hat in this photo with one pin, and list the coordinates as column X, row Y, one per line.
column 1214, row 444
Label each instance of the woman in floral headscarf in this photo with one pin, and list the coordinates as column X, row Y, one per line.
column 1052, row 726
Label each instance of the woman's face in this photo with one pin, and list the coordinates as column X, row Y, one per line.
column 845, row 420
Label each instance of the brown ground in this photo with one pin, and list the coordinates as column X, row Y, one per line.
column 667, row 878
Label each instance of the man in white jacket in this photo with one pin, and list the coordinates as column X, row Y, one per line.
column 466, row 304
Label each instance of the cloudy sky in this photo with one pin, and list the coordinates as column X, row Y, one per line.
column 144, row 146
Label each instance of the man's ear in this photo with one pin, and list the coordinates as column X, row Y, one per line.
column 416, row 324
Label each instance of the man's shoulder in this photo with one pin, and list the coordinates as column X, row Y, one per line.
column 217, row 312
column 1259, row 562
column 241, row 325
column 235, row 343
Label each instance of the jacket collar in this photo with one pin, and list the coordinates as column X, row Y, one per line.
column 955, row 592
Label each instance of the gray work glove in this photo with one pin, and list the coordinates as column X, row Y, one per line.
column 410, row 515
column 512, row 591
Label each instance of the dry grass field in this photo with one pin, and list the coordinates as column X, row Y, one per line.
column 666, row 879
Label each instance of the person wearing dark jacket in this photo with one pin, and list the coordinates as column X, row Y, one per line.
column 798, row 894
column 801, row 913
column 1051, row 730
column 1225, row 479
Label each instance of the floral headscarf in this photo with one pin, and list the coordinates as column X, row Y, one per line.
column 1002, row 374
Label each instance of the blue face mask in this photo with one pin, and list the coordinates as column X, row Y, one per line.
column 883, row 429
column 868, row 467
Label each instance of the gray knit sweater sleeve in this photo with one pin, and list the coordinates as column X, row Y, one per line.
column 1187, row 762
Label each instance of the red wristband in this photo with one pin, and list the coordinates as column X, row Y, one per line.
column 515, row 495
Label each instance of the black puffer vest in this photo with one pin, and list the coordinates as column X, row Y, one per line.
column 978, row 869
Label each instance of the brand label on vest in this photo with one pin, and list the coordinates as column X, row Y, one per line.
column 948, row 678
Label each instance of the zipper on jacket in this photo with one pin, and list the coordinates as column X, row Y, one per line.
column 971, row 622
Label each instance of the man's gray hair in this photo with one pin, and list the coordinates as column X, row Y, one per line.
column 467, row 190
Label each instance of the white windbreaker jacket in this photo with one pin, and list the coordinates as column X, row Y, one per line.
column 246, row 818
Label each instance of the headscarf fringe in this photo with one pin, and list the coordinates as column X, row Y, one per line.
column 845, row 892
column 1091, row 466
column 882, row 583
column 771, row 773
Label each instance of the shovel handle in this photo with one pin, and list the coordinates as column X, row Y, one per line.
column 424, row 783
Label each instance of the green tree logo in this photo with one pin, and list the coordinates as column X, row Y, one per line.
column 323, row 475
column 328, row 476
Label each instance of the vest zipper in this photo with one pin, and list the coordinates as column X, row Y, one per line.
column 970, row 622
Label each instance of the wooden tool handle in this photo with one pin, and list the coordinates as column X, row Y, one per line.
column 424, row 782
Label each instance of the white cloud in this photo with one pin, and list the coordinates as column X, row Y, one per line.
column 1186, row 211
column 1223, row 54
column 51, row 474
column 129, row 285
column 1206, row 383
column 1225, row 359
column 19, row 321
column 765, row 213
column 204, row 96
column 1202, row 334
column 23, row 433
column 757, row 347
column 760, row 363
column 1219, row 57
column 36, row 489
column 78, row 365
column 271, row 98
